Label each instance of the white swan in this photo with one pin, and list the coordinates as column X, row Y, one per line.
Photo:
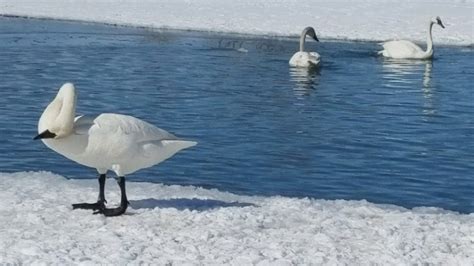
column 302, row 58
column 120, row 143
column 407, row 50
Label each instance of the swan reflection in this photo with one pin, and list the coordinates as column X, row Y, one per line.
column 427, row 75
column 411, row 74
column 305, row 80
column 428, row 105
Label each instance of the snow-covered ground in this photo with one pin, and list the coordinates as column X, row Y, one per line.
column 353, row 20
column 179, row 225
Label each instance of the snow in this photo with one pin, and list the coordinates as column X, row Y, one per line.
column 353, row 20
column 190, row 225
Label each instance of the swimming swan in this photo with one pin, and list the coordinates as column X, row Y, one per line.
column 120, row 143
column 408, row 50
column 302, row 58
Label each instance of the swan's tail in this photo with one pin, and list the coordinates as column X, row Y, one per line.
column 157, row 151
column 380, row 52
column 178, row 144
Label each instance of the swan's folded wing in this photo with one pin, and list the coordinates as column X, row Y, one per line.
column 82, row 124
column 130, row 126
column 401, row 48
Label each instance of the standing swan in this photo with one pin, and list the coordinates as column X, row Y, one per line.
column 302, row 58
column 120, row 143
column 408, row 50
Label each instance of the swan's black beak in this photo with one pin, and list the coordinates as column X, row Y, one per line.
column 315, row 38
column 45, row 135
column 438, row 20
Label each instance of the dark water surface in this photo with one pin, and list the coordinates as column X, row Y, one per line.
column 399, row 132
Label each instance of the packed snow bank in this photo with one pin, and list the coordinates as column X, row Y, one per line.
column 176, row 224
column 354, row 20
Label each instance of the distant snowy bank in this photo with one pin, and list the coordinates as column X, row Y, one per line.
column 348, row 20
column 176, row 224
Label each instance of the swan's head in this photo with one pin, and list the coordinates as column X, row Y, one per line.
column 311, row 33
column 438, row 21
column 57, row 120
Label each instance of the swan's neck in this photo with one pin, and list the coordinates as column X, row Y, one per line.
column 429, row 40
column 58, row 117
column 302, row 40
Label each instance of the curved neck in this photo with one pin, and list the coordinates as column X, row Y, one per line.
column 302, row 40
column 429, row 40
column 58, row 117
column 68, row 111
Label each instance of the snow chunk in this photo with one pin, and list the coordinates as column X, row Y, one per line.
column 177, row 224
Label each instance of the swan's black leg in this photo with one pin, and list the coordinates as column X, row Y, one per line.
column 123, row 202
column 102, row 188
column 100, row 201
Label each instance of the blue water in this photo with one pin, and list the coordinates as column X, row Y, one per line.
column 398, row 132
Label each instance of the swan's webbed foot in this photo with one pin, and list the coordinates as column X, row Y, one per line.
column 100, row 204
column 113, row 211
column 123, row 202
column 89, row 206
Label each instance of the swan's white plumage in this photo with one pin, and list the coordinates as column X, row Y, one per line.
column 121, row 143
column 305, row 59
column 403, row 49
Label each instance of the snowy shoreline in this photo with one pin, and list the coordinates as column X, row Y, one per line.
column 178, row 224
column 224, row 34
column 361, row 20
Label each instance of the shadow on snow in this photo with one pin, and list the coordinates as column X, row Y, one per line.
column 185, row 204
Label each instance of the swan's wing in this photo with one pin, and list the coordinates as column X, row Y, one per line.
column 117, row 125
column 295, row 60
column 305, row 59
column 401, row 48
column 125, row 141
column 82, row 124
column 402, row 45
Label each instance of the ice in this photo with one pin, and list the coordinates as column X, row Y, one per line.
column 353, row 20
column 190, row 225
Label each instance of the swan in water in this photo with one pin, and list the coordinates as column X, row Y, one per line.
column 120, row 143
column 407, row 50
column 302, row 58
